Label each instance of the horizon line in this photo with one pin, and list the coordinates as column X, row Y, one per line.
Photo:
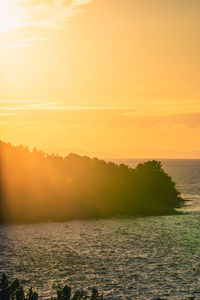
column 99, row 156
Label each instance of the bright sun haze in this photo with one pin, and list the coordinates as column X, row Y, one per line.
column 104, row 78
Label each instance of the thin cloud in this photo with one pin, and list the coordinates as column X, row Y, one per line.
column 98, row 116
column 7, row 114
column 15, row 101
column 15, row 105
column 165, row 108
column 24, row 106
column 38, row 13
column 25, row 43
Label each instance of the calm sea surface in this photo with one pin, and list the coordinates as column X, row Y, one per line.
column 134, row 258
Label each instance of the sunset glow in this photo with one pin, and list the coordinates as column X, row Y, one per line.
column 99, row 149
column 10, row 15
column 105, row 78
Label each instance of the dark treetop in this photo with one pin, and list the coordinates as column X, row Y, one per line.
column 15, row 291
column 35, row 186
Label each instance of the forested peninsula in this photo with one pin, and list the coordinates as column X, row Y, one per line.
column 35, row 186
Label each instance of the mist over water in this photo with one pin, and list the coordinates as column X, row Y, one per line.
column 127, row 258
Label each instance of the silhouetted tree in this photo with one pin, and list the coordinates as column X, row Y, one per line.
column 64, row 293
column 37, row 187
column 95, row 295
column 32, row 295
column 80, row 295
column 14, row 291
column 4, row 288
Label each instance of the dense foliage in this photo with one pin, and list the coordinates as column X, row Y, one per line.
column 38, row 187
column 15, row 291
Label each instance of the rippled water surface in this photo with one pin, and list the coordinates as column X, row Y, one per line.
column 135, row 258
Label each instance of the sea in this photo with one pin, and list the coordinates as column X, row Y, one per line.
column 154, row 257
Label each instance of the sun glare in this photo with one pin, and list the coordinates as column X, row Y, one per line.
column 11, row 16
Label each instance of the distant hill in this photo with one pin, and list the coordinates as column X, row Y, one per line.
column 39, row 187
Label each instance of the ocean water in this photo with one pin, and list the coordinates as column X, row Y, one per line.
column 126, row 258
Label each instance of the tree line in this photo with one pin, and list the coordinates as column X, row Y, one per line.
column 14, row 290
column 35, row 186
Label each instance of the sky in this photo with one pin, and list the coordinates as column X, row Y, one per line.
column 106, row 78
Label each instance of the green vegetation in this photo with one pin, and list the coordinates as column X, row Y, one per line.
column 40, row 187
column 15, row 291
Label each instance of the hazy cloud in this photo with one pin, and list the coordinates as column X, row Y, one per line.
column 35, row 111
column 99, row 117
column 16, row 105
column 38, row 13
column 26, row 42
column 6, row 114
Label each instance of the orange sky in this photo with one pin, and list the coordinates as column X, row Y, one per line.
column 108, row 78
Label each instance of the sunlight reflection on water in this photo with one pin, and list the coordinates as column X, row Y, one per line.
column 132, row 258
